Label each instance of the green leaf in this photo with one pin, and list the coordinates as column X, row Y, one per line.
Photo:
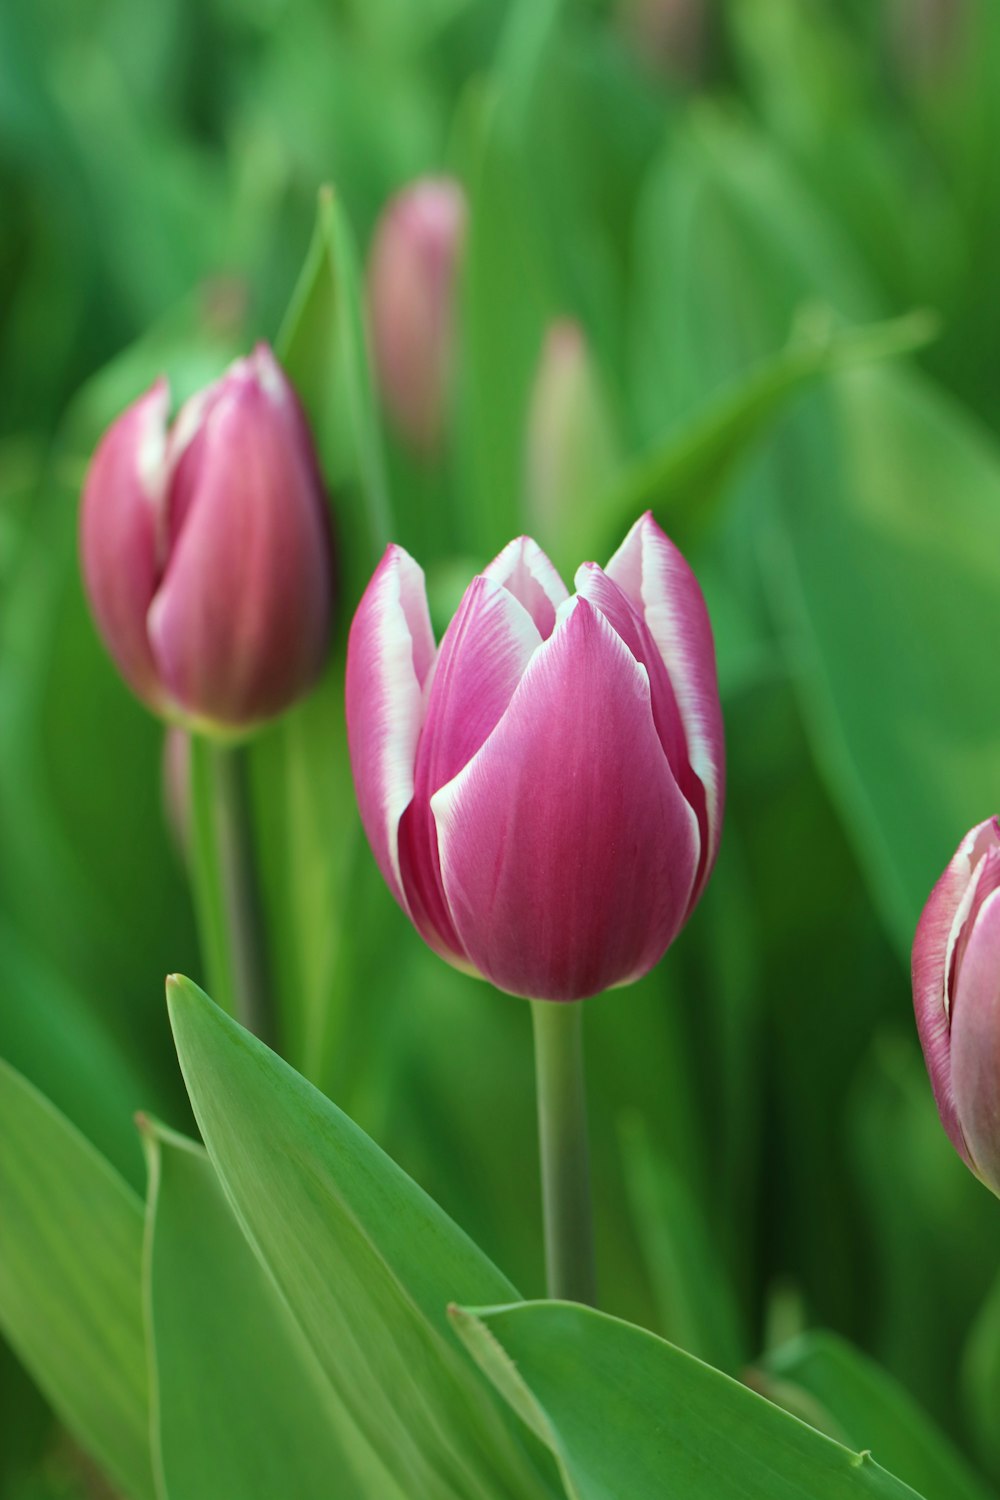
column 70, row 1281
column 871, row 1410
column 322, row 347
column 897, row 490
column 684, row 479
column 364, row 1259
column 240, row 1406
column 627, row 1414
column 308, row 834
column 695, row 1300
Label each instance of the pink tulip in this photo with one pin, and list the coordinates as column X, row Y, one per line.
column 543, row 792
column 956, row 995
column 206, row 550
column 411, row 294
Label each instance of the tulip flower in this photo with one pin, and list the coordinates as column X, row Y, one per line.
column 956, row 995
column 206, row 551
column 411, row 293
column 543, row 792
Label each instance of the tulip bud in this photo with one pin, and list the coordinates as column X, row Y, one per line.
column 571, row 448
column 956, row 995
column 543, row 792
column 206, row 550
column 669, row 34
column 411, row 293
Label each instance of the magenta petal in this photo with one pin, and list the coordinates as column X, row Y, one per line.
column 567, row 851
column 975, row 1043
column 121, row 525
column 594, row 584
column 389, row 655
column 658, row 581
column 481, row 661
column 239, row 626
column 523, row 568
column 940, row 932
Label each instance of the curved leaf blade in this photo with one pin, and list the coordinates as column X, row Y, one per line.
column 70, row 1281
column 627, row 1414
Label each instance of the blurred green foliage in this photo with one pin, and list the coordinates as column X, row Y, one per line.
column 809, row 166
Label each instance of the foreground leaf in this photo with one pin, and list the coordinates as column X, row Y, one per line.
column 240, row 1406
column 871, row 1410
column 364, row 1259
column 628, row 1415
column 70, row 1281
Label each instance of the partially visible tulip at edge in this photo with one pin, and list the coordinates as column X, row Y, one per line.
column 543, row 792
column 206, row 550
column 956, row 995
column 412, row 277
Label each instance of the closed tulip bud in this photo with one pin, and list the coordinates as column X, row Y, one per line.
column 956, row 995
column 206, row 550
column 543, row 792
column 411, row 294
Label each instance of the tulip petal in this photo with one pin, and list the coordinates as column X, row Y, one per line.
column 390, row 651
column 240, row 624
column 567, row 850
column 523, row 568
column 933, row 962
column 121, row 521
column 594, row 584
column 481, row 661
column 658, row 581
column 975, row 1043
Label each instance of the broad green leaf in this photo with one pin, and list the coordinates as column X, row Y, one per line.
column 895, row 489
column 71, row 1281
column 240, row 1406
column 322, row 347
column 308, row 834
column 627, row 1414
column 684, row 479
column 695, row 1300
column 871, row 1410
column 364, row 1259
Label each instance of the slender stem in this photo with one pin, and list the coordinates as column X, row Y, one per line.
column 240, row 896
column 562, row 1140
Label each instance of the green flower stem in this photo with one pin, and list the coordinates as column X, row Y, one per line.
column 226, row 891
column 562, row 1139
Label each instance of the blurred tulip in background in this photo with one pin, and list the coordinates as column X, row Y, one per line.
column 411, row 293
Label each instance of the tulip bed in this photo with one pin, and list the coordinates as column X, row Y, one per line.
column 542, row 1104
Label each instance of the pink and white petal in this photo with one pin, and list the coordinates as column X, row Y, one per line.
column 658, row 581
column 975, row 1044
column 567, row 850
column 240, row 624
column 482, row 659
column 121, row 526
column 934, row 946
column 389, row 650
column 524, row 569
column 594, row 584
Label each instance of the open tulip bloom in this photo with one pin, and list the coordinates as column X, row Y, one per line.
column 543, row 792
column 956, row 994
